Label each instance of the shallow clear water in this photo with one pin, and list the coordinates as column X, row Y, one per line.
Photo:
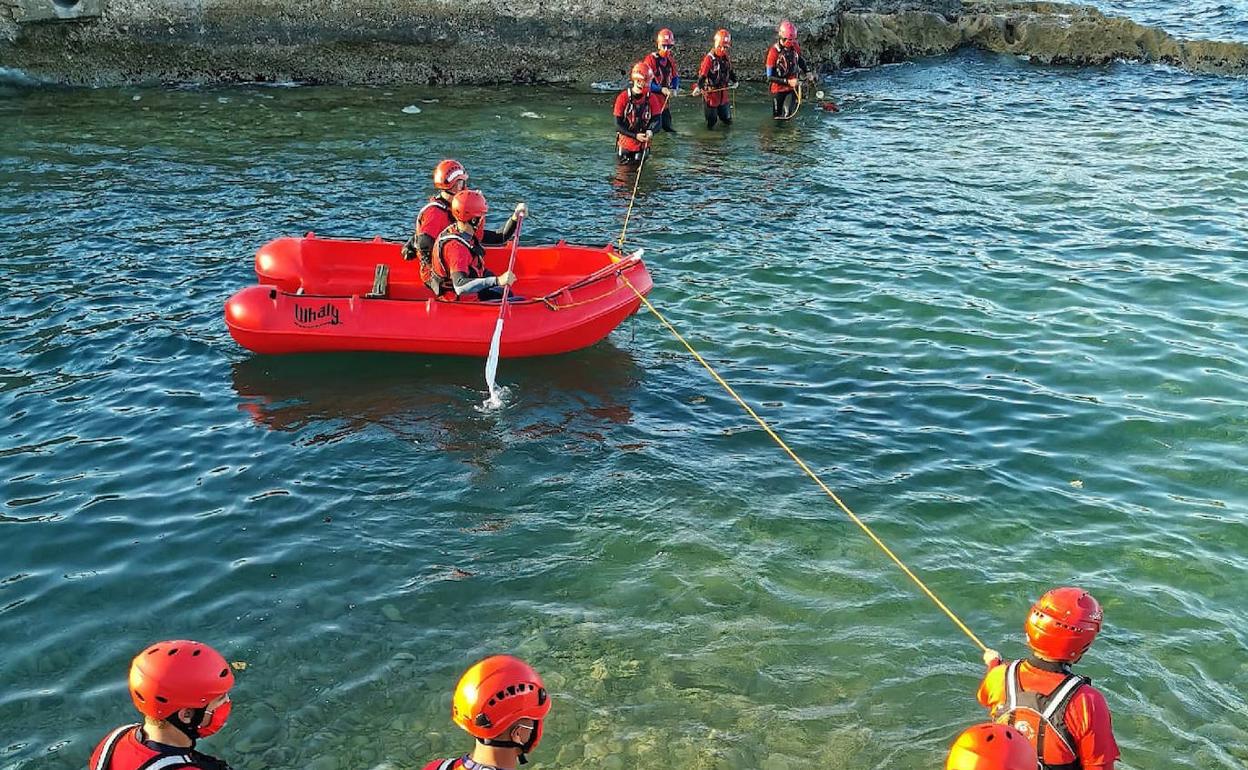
column 999, row 307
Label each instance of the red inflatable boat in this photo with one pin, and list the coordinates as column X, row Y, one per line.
column 323, row 294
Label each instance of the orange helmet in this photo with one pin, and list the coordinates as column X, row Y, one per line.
column 665, row 38
column 1063, row 623
column 787, row 33
column 468, row 205
column 723, row 40
column 447, row 173
column 180, row 674
column 991, row 746
column 494, row 694
column 642, row 73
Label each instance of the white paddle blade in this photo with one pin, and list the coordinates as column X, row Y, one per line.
column 491, row 363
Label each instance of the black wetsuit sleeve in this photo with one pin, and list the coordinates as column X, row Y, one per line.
column 622, row 127
column 424, row 245
column 732, row 76
column 497, row 238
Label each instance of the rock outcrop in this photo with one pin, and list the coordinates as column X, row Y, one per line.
column 479, row 41
column 1050, row 33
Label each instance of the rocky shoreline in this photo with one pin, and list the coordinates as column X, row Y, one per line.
column 108, row 42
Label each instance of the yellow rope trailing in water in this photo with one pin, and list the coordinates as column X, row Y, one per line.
column 806, row 468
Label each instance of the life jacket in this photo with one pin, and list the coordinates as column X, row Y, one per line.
column 441, row 271
column 717, row 78
column 439, row 211
column 664, row 69
column 717, row 73
column 1041, row 718
column 638, row 113
column 122, row 750
column 785, row 66
column 444, row 764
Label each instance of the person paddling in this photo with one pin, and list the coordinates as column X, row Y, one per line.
column 715, row 77
column 666, row 82
column 502, row 703
column 182, row 690
column 785, row 66
column 458, row 261
column 449, row 177
column 636, row 110
column 1060, row 713
column 991, row 746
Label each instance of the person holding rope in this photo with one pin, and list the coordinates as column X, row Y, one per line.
column 182, row 690
column 449, row 177
column 715, row 77
column 666, row 82
column 458, row 262
column 501, row 702
column 1060, row 713
column 785, row 66
column 637, row 109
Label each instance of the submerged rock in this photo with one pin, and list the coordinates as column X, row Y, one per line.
column 488, row 41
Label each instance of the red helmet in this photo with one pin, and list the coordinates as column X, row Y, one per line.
column 1063, row 623
column 447, row 173
column 665, row 37
column 991, row 746
column 494, row 694
column 787, row 32
column 642, row 72
column 468, row 205
column 180, row 674
column 723, row 40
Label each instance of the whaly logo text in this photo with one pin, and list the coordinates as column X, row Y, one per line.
column 325, row 315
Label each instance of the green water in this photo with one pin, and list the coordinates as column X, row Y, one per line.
column 999, row 308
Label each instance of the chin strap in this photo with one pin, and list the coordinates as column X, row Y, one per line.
column 189, row 729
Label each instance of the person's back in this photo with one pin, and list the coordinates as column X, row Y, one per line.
column 1058, row 711
column 181, row 688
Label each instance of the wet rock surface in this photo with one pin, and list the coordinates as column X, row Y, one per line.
column 484, row 41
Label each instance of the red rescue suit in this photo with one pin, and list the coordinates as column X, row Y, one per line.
column 714, row 77
column 783, row 63
column 663, row 67
column 123, row 749
column 638, row 111
column 1060, row 713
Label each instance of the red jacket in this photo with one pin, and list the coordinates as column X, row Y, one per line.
column 713, row 78
column 784, row 63
column 1087, row 715
column 122, row 750
column 637, row 112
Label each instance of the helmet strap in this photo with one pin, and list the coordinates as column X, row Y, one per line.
column 524, row 748
column 1053, row 666
column 189, row 729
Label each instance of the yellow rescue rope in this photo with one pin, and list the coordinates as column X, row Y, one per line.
column 814, row 477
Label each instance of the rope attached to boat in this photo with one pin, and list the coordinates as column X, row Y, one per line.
column 806, row 468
